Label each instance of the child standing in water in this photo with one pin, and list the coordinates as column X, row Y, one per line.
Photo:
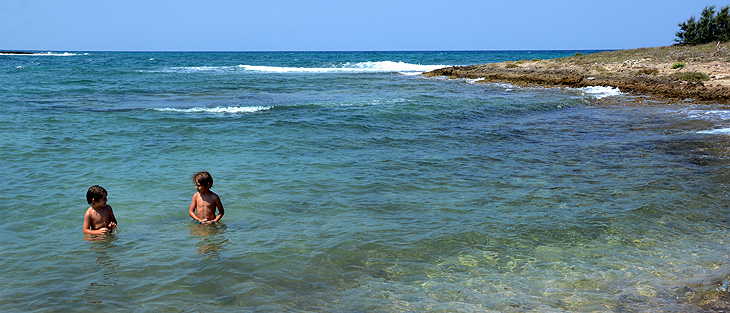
column 99, row 218
column 202, row 208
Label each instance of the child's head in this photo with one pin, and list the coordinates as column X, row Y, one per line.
column 204, row 179
column 95, row 192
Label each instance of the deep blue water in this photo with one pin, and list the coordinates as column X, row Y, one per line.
column 351, row 183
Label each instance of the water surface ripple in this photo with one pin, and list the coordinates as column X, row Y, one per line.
column 351, row 184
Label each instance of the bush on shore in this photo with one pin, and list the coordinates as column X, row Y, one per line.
column 711, row 26
column 691, row 76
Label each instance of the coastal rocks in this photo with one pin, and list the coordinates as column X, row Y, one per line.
column 512, row 75
column 549, row 73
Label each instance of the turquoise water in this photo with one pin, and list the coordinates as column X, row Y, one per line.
column 351, row 184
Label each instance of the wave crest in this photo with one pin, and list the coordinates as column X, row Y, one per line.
column 219, row 110
column 357, row 67
column 719, row 131
column 600, row 92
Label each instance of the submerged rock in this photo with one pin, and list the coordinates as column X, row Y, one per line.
column 715, row 297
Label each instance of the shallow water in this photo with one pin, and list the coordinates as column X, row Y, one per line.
column 351, row 183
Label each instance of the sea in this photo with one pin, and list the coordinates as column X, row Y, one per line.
column 353, row 183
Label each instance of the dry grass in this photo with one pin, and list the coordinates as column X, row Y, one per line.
column 670, row 54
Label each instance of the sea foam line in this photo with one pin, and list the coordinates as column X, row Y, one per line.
column 719, row 131
column 709, row 114
column 220, row 110
column 358, row 67
column 600, row 92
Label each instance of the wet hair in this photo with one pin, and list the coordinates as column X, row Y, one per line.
column 95, row 192
column 203, row 178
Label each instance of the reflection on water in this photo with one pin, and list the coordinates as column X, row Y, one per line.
column 212, row 239
column 106, row 269
column 101, row 238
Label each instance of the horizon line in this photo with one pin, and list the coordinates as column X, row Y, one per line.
column 285, row 51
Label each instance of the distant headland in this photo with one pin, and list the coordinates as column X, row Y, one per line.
column 674, row 72
column 16, row 52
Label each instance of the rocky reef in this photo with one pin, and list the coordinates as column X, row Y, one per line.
column 675, row 72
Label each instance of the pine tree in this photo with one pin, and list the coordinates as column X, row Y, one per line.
column 711, row 26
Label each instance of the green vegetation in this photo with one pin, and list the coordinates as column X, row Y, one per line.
column 692, row 76
column 678, row 65
column 711, row 26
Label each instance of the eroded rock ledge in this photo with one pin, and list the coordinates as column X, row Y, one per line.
column 676, row 72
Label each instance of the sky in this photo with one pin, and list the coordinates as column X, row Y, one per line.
column 341, row 25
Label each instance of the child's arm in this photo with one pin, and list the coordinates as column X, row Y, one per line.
column 112, row 219
column 220, row 209
column 192, row 208
column 87, row 226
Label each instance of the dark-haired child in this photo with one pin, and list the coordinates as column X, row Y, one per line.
column 99, row 218
column 204, row 203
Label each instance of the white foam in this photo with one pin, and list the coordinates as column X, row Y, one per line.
column 197, row 69
column 719, row 131
column 709, row 114
column 220, row 110
column 360, row 67
column 600, row 92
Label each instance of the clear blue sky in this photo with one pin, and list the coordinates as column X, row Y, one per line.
column 316, row 25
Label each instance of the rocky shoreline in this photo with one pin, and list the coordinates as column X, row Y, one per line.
column 673, row 73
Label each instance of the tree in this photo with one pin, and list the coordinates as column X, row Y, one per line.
column 711, row 26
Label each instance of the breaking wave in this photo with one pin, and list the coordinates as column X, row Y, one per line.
column 358, row 67
column 600, row 92
column 219, row 110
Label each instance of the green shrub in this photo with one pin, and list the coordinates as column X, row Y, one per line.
column 693, row 76
column 711, row 26
column 678, row 65
column 511, row 65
